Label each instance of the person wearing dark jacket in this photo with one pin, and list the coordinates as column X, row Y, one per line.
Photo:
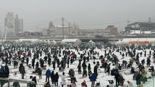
column 40, row 73
column 55, row 78
column 47, row 85
column 7, row 71
column 48, row 74
column 22, row 70
column 52, row 75
column 138, row 79
column 54, row 65
column 33, row 62
column 35, row 81
column 95, row 69
column 148, row 61
column 16, row 84
column 83, row 84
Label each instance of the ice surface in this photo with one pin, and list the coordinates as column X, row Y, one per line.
column 102, row 78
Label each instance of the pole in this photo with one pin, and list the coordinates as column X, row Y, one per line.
column 153, row 81
column 69, row 28
column 63, row 27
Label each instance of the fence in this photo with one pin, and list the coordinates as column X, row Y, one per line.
column 7, row 82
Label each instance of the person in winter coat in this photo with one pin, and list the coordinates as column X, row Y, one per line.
column 148, row 61
column 56, row 77
column 22, row 70
column 73, row 80
column 15, row 63
column 52, row 77
column 93, row 79
column 48, row 74
column 33, row 62
column 27, row 60
column 83, row 84
column 40, row 73
column 72, row 85
column 63, row 81
column 7, row 71
column 35, row 81
column 16, row 84
column 54, row 65
column 79, row 69
column 47, row 85
column 138, row 79
column 41, row 63
column 71, row 73
column 95, row 69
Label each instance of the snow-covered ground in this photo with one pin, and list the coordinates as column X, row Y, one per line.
column 102, row 77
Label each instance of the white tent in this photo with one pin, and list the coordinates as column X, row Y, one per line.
column 72, row 41
column 31, row 40
column 136, row 41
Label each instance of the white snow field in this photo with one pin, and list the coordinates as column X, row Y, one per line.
column 102, row 77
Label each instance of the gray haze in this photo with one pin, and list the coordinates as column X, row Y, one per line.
column 86, row 13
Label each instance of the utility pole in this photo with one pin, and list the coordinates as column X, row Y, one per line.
column 69, row 29
column 63, row 33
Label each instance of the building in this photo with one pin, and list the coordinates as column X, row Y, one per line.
column 91, row 32
column 111, row 30
column 74, row 31
column 140, row 28
column 18, row 25
column 61, row 31
column 13, row 25
column 10, row 24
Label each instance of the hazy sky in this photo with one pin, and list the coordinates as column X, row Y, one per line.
column 86, row 13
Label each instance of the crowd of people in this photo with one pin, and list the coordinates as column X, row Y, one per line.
column 60, row 66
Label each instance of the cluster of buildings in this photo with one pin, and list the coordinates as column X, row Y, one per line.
column 140, row 29
column 14, row 27
column 72, row 31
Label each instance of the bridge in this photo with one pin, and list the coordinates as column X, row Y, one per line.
column 60, row 38
column 85, row 39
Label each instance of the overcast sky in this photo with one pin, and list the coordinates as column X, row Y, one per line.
column 86, row 13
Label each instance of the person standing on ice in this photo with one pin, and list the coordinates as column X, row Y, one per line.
column 48, row 74
column 52, row 77
column 22, row 70
column 33, row 62
column 54, row 64
column 47, row 84
column 35, row 81
column 95, row 69
column 55, row 79
column 63, row 80
column 148, row 61
column 79, row 67
column 138, row 79
column 27, row 61
column 89, row 70
column 84, row 68
column 73, row 82
column 16, row 84
column 49, row 61
column 93, row 79
column 40, row 73
column 84, row 84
